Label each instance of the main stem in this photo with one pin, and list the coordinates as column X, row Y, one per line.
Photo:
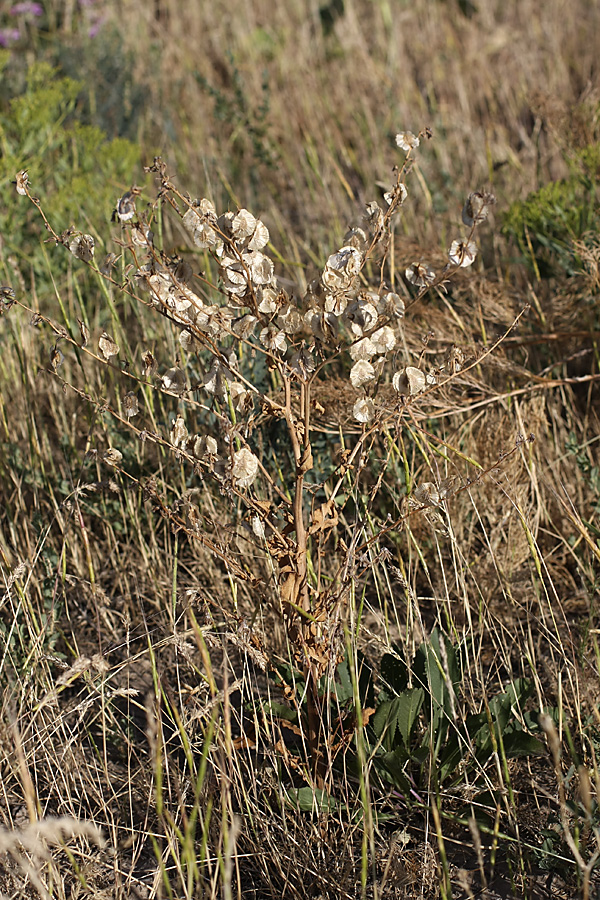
column 300, row 436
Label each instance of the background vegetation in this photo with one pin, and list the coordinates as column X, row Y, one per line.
column 151, row 723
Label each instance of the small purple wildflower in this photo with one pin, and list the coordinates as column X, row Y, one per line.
column 27, row 8
column 8, row 36
column 95, row 26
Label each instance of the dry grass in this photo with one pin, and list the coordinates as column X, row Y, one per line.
column 137, row 672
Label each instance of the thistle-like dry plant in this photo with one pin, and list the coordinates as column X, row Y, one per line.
column 254, row 354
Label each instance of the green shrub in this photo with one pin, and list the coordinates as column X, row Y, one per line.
column 73, row 165
column 550, row 221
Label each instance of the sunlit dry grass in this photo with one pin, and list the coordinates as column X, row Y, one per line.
column 135, row 696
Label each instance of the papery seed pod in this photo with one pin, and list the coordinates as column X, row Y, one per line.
column 244, row 326
column 273, row 338
column 454, row 359
column 112, row 457
column 268, row 300
column 360, row 316
column 125, row 209
column 303, row 364
column 420, row 275
column 341, row 268
column 258, row 527
column 84, row 332
column 361, row 373
column 57, row 358
column 391, row 305
column 174, row 380
column 462, row 253
column 244, row 468
column 260, row 238
column 107, row 346
column 7, row 297
column 260, row 266
column 235, row 279
column 22, row 182
column 324, row 326
column 290, row 319
column 407, row 141
column 426, row 494
column 363, row 349
column 409, row 381
column 243, row 225
column 477, row 207
column 335, row 303
column 180, row 299
column 191, row 220
column 217, row 379
column 142, row 235
column 241, row 397
column 108, row 264
column 131, row 405
column 383, row 340
column 205, row 237
column 179, row 433
column 363, row 410
column 82, row 247
column 357, row 238
column 204, row 446
column 225, row 222
column 150, row 365
column 448, row 487
column 374, row 216
column 188, row 341
column 207, row 209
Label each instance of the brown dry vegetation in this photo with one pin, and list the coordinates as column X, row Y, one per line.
column 132, row 658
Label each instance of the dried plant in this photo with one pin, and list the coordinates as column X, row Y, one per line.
column 234, row 311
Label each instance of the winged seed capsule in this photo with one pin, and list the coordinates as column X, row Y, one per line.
column 462, row 253
column 244, row 468
column 107, row 345
column 409, row 381
column 363, row 410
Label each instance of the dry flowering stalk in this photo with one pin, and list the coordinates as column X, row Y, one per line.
column 245, row 311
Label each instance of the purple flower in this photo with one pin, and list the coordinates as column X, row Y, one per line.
column 8, row 36
column 96, row 23
column 27, row 8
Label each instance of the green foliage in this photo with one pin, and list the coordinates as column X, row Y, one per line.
column 74, row 165
column 549, row 222
column 414, row 724
column 590, row 472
